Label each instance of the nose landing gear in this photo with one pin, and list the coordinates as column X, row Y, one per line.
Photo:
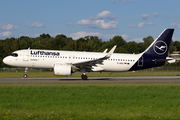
column 25, row 75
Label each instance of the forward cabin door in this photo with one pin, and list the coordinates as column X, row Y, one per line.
column 26, row 55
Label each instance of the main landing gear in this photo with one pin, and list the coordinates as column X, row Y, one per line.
column 83, row 76
column 25, row 75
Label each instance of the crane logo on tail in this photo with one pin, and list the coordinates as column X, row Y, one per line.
column 160, row 47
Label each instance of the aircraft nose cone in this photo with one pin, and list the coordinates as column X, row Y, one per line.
column 6, row 60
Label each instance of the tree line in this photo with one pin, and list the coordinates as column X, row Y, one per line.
column 88, row 43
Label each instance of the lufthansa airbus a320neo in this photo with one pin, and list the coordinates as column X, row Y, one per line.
column 65, row 63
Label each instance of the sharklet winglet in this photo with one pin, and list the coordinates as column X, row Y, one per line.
column 105, row 50
column 111, row 52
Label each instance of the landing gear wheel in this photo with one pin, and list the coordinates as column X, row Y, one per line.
column 25, row 75
column 84, row 77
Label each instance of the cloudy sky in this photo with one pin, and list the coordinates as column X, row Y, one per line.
column 131, row 19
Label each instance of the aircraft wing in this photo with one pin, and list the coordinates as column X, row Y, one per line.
column 90, row 63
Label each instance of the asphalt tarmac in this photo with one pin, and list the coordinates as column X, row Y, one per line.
column 92, row 80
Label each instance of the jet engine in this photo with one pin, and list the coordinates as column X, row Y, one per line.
column 62, row 69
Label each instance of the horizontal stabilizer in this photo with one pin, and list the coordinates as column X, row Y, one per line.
column 167, row 60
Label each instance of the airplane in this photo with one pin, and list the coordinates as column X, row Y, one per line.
column 65, row 63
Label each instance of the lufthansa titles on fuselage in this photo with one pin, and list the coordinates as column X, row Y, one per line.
column 44, row 53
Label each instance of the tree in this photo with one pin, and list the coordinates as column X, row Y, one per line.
column 24, row 42
column 171, row 47
column 132, row 47
column 36, row 44
column 43, row 36
column 7, row 47
column 1, row 52
column 118, row 40
column 121, row 50
column 177, row 45
column 81, row 44
column 60, row 42
column 93, row 43
column 141, row 47
column 147, row 41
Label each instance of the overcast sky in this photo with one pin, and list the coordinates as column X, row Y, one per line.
column 131, row 19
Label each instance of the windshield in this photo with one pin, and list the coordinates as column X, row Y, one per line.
column 14, row 55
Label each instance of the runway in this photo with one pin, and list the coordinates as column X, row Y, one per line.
column 92, row 80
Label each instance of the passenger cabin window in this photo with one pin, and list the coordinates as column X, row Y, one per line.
column 14, row 55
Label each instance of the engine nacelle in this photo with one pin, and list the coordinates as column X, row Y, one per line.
column 62, row 69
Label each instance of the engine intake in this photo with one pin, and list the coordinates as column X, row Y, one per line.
column 62, row 69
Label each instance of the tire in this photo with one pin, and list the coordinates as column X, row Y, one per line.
column 25, row 75
column 84, row 77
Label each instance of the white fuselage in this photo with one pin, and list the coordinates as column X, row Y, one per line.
column 46, row 58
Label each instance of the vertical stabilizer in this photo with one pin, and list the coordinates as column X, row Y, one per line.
column 155, row 55
column 161, row 45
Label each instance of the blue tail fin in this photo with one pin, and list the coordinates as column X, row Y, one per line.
column 156, row 53
column 160, row 46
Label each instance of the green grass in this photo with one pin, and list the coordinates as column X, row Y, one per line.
column 90, row 102
column 91, row 74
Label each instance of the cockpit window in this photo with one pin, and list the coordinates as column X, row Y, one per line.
column 14, row 55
